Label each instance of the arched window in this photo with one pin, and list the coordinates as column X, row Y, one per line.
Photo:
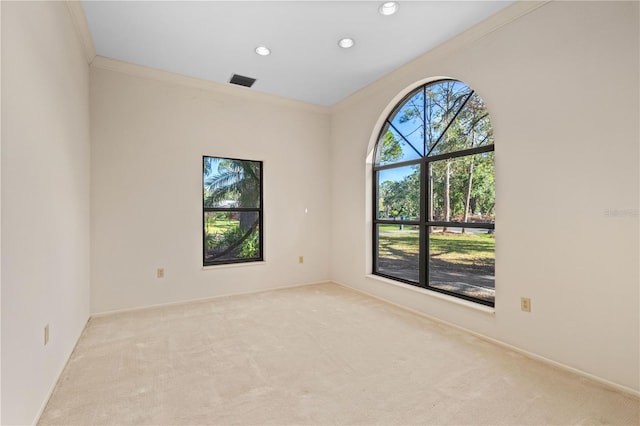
column 434, row 193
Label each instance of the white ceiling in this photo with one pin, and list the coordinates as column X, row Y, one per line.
column 212, row 40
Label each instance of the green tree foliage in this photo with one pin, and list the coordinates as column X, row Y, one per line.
column 481, row 200
column 401, row 198
column 451, row 118
column 233, row 183
column 391, row 149
column 231, row 180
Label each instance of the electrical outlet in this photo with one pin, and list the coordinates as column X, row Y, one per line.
column 46, row 334
column 301, row 259
column 525, row 304
column 160, row 273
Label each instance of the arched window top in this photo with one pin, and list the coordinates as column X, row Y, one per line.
column 434, row 197
column 434, row 119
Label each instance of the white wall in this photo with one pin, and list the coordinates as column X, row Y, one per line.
column 561, row 84
column 45, row 201
column 149, row 132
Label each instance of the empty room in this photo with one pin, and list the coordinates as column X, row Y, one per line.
column 320, row 212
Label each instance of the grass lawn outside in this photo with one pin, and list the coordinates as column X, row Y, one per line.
column 463, row 249
column 459, row 263
column 458, row 248
column 220, row 225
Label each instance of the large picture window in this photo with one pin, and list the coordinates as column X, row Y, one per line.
column 232, row 210
column 434, row 193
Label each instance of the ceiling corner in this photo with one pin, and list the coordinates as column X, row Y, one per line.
column 82, row 28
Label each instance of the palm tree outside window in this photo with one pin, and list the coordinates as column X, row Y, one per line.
column 232, row 211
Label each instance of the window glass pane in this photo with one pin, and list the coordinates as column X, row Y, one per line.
column 231, row 235
column 463, row 189
column 399, row 193
column 463, row 263
column 392, row 148
column 443, row 100
column 409, row 121
column 399, row 251
column 231, row 183
column 470, row 129
column 443, row 118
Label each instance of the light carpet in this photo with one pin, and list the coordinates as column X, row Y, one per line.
column 319, row 354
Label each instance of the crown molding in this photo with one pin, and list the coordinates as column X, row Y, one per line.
column 101, row 62
column 82, row 28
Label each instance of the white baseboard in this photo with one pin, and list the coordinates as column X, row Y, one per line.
column 55, row 382
column 202, row 299
column 604, row 382
column 142, row 308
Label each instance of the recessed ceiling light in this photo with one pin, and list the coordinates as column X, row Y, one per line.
column 388, row 8
column 263, row 50
column 346, row 42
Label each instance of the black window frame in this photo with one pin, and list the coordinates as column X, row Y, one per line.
column 259, row 210
column 423, row 222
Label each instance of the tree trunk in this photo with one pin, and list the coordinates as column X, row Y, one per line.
column 247, row 220
column 468, row 197
column 447, row 195
column 248, row 198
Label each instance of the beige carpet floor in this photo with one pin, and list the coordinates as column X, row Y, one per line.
column 319, row 354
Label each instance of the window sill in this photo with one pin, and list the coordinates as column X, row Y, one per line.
column 461, row 302
column 234, row 265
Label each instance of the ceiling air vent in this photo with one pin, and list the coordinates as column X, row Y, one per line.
column 241, row 80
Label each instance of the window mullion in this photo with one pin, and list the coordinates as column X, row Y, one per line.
column 376, row 210
column 405, row 139
column 424, row 236
column 424, row 119
column 445, row 256
column 463, row 153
